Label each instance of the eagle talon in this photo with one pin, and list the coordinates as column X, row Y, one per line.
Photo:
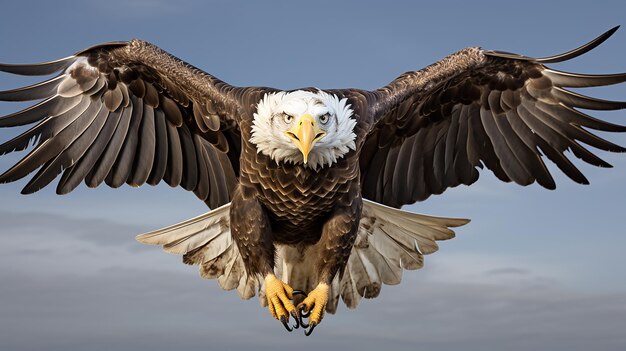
column 301, row 315
column 279, row 296
column 296, row 319
column 310, row 330
column 313, row 307
column 283, row 320
column 297, row 315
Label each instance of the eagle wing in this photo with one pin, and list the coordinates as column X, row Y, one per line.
column 431, row 129
column 127, row 112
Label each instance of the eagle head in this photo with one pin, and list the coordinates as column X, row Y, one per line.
column 302, row 127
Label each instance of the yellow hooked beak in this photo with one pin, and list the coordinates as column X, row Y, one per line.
column 305, row 134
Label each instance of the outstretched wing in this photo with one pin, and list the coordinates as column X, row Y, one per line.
column 126, row 112
column 433, row 128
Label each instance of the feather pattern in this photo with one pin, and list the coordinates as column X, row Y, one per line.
column 388, row 241
column 206, row 241
column 150, row 96
column 479, row 107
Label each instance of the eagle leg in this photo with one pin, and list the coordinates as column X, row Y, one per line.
column 251, row 231
column 314, row 306
column 279, row 296
column 335, row 244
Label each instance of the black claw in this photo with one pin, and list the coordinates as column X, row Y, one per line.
column 283, row 320
column 308, row 332
column 295, row 318
column 303, row 324
column 301, row 315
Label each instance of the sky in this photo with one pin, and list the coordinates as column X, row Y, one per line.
column 535, row 269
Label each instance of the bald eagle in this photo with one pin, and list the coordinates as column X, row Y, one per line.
column 305, row 186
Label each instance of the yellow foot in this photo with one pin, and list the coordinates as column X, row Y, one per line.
column 314, row 306
column 279, row 296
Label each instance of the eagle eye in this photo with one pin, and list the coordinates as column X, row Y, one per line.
column 324, row 118
column 287, row 118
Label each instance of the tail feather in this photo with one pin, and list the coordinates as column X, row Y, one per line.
column 206, row 241
column 206, row 252
column 334, row 295
column 183, row 237
column 214, row 268
column 348, row 290
column 247, row 286
column 232, row 272
column 388, row 241
column 365, row 277
column 388, row 258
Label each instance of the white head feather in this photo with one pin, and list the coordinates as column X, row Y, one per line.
column 270, row 125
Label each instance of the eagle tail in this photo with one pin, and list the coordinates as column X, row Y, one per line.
column 388, row 241
column 206, row 241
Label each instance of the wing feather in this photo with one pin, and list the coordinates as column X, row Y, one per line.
column 147, row 145
column 174, row 172
column 147, row 132
column 480, row 108
column 107, row 159
column 124, row 162
column 74, row 175
column 123, row 167
column 203, row 188
column 161, row 154
column 76, row 146
column 37, row 69
column 33, row 92
column 62, row 127
column 189, row 178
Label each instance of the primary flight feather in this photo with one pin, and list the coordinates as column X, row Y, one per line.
column 305, row 185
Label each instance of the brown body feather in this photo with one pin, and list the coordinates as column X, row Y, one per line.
column 301, row 206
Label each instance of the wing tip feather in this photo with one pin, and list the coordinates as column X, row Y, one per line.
column 559, row 57
column 579, row 50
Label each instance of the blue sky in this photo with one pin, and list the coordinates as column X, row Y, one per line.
column 535, row 269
